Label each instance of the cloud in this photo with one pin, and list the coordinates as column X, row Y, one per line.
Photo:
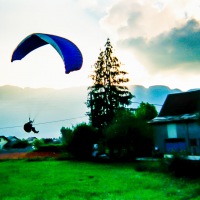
column 95, row 9
column 161, row 34
column 178, row 47
column 135, row 18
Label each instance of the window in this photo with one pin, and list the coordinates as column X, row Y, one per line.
column 171, row 130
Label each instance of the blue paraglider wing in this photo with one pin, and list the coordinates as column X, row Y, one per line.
column 68, row 51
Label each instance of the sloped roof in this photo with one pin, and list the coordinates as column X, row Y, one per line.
column 177, row 118
column 13, row 138
column 181, row 104
column 5, row 138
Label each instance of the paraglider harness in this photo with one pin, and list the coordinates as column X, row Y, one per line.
column 28, row 127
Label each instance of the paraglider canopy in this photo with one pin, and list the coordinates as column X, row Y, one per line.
column 68, row 51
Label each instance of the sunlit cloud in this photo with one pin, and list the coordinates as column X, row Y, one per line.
column 178, row 48
column 162, row 35
column 148, row 18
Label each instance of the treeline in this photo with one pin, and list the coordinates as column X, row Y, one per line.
column 127, row 136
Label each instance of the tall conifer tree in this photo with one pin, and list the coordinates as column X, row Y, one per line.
column 107, row 94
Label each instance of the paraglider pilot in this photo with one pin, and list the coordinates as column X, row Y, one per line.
column 28, row 127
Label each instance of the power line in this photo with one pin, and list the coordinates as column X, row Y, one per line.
column 8, row 127
column 61, row 120
column 48, row 122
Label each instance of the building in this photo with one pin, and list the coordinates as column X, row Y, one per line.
column 3, row 141
column 177, row 127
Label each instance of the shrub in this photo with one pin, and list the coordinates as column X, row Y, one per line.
column 180, row 166
column 20, row 144
column 37, row 143
column 81, row 145
column 67, row 135
column 128, row 134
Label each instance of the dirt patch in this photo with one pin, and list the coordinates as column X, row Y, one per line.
column 26, row 155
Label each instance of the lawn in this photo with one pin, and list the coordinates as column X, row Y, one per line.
column 72, row 180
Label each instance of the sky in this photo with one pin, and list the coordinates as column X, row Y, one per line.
column 157, row 41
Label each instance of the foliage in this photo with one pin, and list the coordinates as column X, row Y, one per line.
column 67, row 135
column 107, row 94
column 86, row 180
column 48, row 140
column 37, row 143
column 146, row 111
column 20, row 144
column 130, row 134
column 17, row 144
column 81, row 144
column 41, row 146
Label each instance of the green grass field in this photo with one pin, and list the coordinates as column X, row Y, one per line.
column 20, row 179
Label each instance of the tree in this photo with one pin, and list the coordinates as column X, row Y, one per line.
column 83, row 139
column 126, row 132
column 107, row 94
column 38, row 143
column 146, row 111
column 67, row 135
column 20, row 144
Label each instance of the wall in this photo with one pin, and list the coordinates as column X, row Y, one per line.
column 190, row 131
column 2, row 142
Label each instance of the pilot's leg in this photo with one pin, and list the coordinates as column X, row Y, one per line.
column 33, row 129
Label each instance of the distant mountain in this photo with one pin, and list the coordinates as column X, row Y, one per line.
column 53, row 108
column 154, row 95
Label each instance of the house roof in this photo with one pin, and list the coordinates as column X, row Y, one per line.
column 5, row 138
column 183, row 106
column 13, row 138
column 178, row 118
